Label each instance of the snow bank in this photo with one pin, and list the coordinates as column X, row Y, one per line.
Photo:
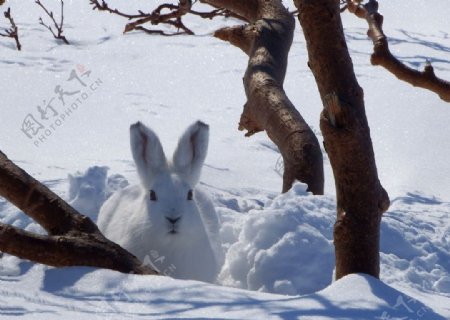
column 273, row 243
column 284, row 248
column 283, row 243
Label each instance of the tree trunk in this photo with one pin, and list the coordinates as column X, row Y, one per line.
column 361, row 200
column 267, row 41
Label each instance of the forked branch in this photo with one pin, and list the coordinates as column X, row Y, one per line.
column 169, row 14
column 267, row 39
column 382, row 56
column 13, row 31
column 156, row 17
column 58, row 32
column 72, row 239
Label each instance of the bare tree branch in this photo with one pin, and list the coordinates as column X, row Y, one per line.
column 59, row 27
column 103, row 6
column 220, row 12
column 241, row 36
column 173, row 17
column 157, row 17
column 72, row 240
column 382, row 55
column 247, row 9
column 267, row 40
column 12, row 32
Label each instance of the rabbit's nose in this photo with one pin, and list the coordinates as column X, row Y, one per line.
column 173, row 220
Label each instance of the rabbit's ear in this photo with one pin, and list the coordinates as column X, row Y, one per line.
column 191, row 152
column 147, row 152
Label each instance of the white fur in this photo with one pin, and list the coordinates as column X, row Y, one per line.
column 140, row 225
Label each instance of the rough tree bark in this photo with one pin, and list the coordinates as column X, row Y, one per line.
column 361, row 200
column 267, row 40
column 72, row 240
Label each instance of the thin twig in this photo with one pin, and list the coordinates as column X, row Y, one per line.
column 156, row 17
column 221, row 12
column 59, row 27
column 173, row 17
column 13, row 31
column 103, row 6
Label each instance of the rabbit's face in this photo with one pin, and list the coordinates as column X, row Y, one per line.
column 171, row 206
column 169, row 186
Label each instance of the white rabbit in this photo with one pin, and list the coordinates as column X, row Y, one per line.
column 166, row 220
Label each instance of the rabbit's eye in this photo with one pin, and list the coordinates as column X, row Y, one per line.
column 190, row 195
column 153, row 195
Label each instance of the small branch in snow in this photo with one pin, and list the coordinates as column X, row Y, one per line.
column 13, row 31
column 382, row 55
column 58, row 34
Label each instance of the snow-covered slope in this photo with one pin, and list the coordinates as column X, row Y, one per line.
column 273, row 243
column 77, row 293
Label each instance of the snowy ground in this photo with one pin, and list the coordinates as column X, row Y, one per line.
column 279, row 247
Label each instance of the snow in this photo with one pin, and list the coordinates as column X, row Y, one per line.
column 278, row 248
column 287, row 248
column 75, row 293
column 89, row 190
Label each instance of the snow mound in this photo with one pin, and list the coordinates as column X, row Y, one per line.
column 283, row 244
column 360, row 296
column 284, row 248
column 89, row 190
